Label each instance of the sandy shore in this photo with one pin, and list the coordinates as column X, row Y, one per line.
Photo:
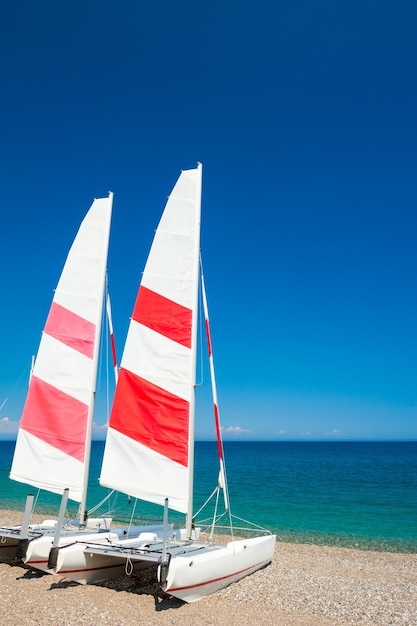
column 306, row 585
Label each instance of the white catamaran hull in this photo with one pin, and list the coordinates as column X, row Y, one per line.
column 11, row 536
column 37, row 555
column 88, row 563
column 194, row 575
column 37, row 552
column 81, row 563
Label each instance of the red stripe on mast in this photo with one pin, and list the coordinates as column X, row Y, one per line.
column 208, row 337
column 112, row 342
column 113, row 350
column 218, row 433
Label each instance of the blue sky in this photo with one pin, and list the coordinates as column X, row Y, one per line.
column 304, row 117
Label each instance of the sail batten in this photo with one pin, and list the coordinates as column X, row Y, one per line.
column 147, row 452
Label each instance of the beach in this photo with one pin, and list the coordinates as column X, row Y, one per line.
column 306, row 585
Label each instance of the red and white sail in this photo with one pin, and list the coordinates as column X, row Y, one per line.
column 150, row 439
column 53, row 443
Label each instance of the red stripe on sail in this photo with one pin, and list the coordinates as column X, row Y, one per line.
column 151, row 416
column 164, row 316
column 71, row 329
column 56, row 418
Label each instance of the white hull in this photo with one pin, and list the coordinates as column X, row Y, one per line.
column 78, row 563
column 190, row 571
column 195, row 575
column 10, row 537
column 95, row 561
column 38, row 549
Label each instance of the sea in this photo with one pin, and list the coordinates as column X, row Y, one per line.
column 351, row 494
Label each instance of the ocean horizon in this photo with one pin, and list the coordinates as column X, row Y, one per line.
column 358, row 494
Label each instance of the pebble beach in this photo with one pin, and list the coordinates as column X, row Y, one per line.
column 306, row 585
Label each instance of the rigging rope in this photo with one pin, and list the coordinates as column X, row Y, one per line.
column 133, row 512
column 129, row 566
column 104, row 500
column 207, row 501
column 16, row 384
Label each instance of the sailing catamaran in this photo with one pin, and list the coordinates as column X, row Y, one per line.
column 149, row 451
column 52, row 450
column 53, row 443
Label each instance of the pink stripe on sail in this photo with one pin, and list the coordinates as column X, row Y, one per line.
column 151, row 416
column 71, row 329
column 56, row 418
column 164, row 316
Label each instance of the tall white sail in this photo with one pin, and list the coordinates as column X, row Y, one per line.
column 149, row 445
column 53, row 443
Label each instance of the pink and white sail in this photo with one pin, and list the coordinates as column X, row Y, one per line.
column 53, row 443
column 149, row 445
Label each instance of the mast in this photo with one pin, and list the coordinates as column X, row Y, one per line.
column 191, row 431
column 89, row 429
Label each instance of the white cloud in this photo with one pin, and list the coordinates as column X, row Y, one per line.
column 99, row 431
column 7, row 427
column 306, row 433
column 236, row 430
column 334, row 431
column 283, row 431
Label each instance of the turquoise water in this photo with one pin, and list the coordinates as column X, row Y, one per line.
column 350, row 494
